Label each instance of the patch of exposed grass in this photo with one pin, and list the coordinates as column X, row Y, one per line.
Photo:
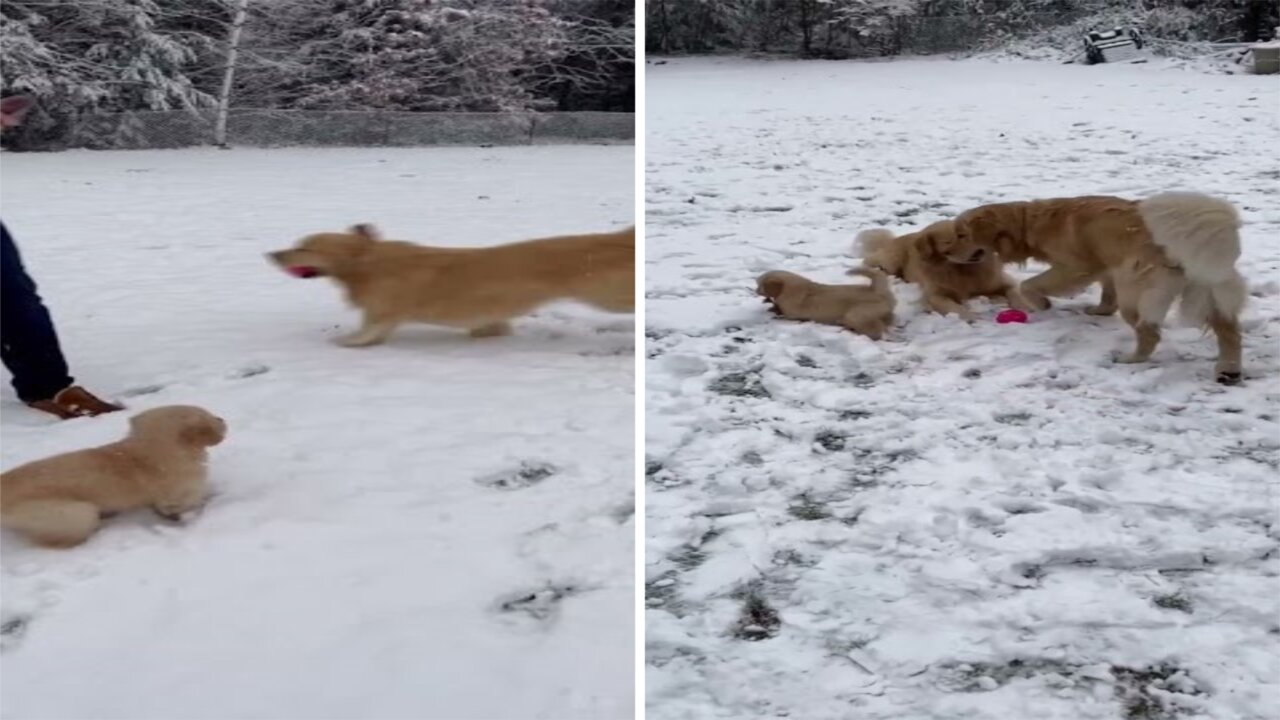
column 529, row 473
column 758, row 619
column 829, row 440
column 1174, row 601
column 1150, row 693
column 739, row 384
column 804, row 507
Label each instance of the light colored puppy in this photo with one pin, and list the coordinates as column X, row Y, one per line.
column 60, row 501
column 948, row 271
column 864, row 309
column 478, row 289
column 1147, row 254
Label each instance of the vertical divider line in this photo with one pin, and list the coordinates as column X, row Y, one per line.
column 639, row 55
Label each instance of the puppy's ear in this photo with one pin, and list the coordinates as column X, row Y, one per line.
column 201, row 434
column 771, row 287
column 366, row 231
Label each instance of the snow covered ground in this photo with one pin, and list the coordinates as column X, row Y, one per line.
column 964, row 521
column 437, row 528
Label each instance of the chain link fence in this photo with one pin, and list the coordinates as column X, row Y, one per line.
column 323, row 128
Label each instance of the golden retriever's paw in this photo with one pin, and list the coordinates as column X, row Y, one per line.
column 1035, row 301
column 497, row 329
column 1101, row 310
column 1132, row 358
column 357, row 340
column 1228, row 376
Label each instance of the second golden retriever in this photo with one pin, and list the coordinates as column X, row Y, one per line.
column 864, row 309
column 479, row 289
column 59, row 501
column 1147, row 253
column 949, row 272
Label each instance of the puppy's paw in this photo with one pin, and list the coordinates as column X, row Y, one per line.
column 179, row 515
column 169, row 515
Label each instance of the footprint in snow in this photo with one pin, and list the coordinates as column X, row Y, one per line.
column 530, row 473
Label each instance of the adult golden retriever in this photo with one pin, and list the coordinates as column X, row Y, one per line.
column 60, row 501
column 1147, row 253
column 948, row 271
column 864, row 309
column 478, row 289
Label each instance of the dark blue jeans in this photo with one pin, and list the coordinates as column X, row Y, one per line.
column 28, row 342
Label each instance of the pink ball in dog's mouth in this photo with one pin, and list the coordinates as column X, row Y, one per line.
column 1011, row 315
column 302, row 271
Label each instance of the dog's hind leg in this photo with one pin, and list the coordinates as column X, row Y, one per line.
column 1228, row 368
column 372, row 332
column 1107, row 305
column 54, row 523
column 496, row 329
column 1147, row 334
column 1144, row 296
column 858, row 321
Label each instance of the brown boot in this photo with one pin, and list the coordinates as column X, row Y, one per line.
column 74, row 402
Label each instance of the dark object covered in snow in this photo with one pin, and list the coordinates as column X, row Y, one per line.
column 1108, row 46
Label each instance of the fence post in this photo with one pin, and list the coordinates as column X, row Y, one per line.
column 228, row 75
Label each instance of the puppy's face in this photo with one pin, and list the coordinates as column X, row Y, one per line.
column 325, row 253
column 940, row 242
column 185, row 424
column 772, row 284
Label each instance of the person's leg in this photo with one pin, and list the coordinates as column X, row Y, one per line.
column 28, row 341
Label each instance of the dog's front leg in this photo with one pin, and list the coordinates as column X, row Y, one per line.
column 372, row 332
column 1013, row 296
column 946, row 306
column 174, row 504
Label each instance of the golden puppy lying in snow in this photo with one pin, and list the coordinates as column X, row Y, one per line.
column 864, row 309
column 59, row 501
column 478, row 289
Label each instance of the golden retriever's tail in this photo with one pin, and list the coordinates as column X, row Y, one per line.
column 1201, row 235
column 878, row 250
column 879, row 281
column 1198, row 232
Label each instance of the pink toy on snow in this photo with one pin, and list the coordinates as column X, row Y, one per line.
column 1011, row 315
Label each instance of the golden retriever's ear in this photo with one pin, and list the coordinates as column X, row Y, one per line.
column 927, row 244
column 366, row 231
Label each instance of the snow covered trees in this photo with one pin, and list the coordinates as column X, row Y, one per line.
column 95, row 56
column 838, row 28
column 108, row 55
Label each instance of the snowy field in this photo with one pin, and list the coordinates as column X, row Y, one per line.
column 436, row 528
column 978, row 521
